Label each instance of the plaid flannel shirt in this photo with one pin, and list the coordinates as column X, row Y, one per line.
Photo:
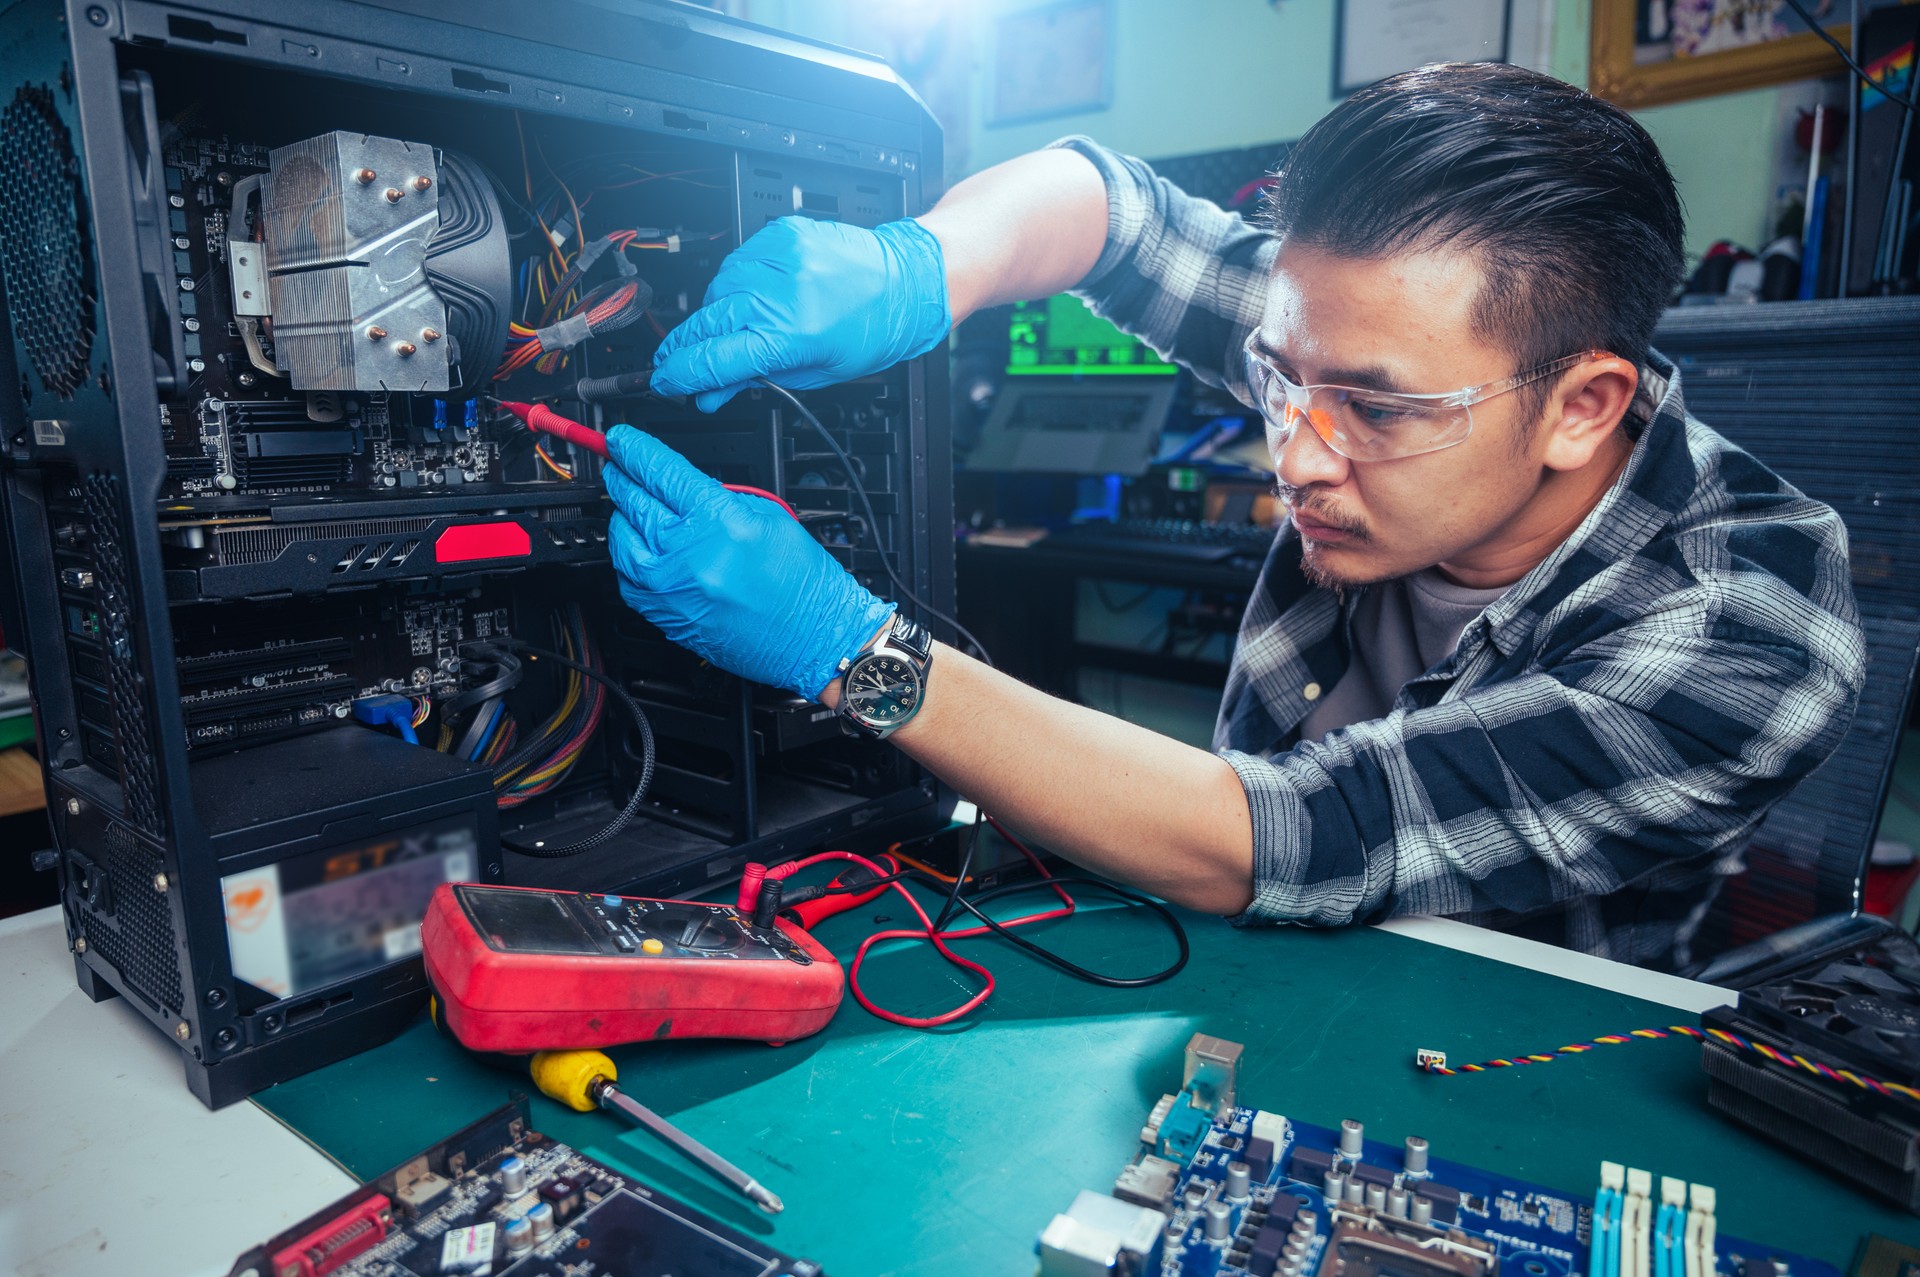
column 1589, row 763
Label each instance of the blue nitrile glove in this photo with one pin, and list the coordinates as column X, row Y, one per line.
column 732, row 578
column 808, row 304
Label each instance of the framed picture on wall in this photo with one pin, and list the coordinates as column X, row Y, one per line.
column 1646, row 52
column 1373, row 39
column 1056, row 59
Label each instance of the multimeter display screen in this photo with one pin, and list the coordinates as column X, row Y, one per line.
column 528, row 922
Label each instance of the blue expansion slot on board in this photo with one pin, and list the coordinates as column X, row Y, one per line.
column 1221, row 1190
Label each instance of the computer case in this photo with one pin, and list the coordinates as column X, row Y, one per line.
column 258, row 548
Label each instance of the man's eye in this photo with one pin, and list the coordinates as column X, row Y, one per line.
column 1378, row 413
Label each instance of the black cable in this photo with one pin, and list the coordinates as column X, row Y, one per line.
column 505, row 681
column 804, row 895
column 971, row 905
column 1846, row 57
column 476, row 731
column 632, row 809
column 542, row 742
column 1853, row 158
column 1887, row 242
column 960, row 873
column 504, row 193
column 860, row 490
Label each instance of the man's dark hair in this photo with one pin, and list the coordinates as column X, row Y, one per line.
column 1563, row 197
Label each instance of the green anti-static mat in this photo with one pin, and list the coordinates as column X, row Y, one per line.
column 901, row 1151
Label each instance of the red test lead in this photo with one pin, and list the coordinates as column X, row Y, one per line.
column 543, row 420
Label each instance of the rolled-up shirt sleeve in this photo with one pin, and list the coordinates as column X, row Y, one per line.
column 1650, row 747
column 1179, row 272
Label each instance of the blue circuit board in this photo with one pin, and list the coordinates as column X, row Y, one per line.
column 1446, row 1220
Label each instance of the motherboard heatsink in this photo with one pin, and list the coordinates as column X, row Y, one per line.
column 1859, row 1015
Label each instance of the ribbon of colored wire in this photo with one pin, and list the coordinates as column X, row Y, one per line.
column 1815, row 1067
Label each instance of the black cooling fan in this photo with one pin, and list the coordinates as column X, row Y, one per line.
column 1856, row 1014
column 470, row 265
column 1863, row 1009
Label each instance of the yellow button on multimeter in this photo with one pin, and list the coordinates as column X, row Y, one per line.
column 650, row 945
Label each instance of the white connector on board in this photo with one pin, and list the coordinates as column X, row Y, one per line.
column 1702, row 1231
column 1636, row 1225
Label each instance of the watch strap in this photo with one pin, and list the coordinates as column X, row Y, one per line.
column 916, row 638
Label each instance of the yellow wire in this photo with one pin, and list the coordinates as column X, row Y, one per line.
column 921, row 865
column 576, row 686
column 566, row 707
column 551, row 464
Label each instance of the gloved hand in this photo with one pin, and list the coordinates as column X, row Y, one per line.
column 807, row 304
column 732, row 578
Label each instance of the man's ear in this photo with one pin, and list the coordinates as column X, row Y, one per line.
column 1586, row 409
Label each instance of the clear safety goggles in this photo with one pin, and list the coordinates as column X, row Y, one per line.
column 1378, row 425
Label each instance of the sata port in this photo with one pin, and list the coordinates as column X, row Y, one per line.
column 329, row 1247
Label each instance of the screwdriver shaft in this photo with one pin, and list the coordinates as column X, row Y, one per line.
column 612, row 1097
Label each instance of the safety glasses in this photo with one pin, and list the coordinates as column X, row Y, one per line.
column 1378, row 425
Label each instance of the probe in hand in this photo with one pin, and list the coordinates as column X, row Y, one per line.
column 543, row 420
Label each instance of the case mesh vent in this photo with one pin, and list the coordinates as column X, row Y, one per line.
column 44, row 250
column 139, row 775
column 138, row 938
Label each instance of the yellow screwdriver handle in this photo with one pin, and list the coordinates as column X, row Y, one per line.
column 567, row 1076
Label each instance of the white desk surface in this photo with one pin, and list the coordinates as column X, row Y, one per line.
column 112, row 1167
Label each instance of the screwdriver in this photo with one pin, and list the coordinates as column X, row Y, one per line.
column 584, row 1081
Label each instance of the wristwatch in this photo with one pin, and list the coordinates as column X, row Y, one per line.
column 883, row 686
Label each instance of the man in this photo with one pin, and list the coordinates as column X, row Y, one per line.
column 1536, row 650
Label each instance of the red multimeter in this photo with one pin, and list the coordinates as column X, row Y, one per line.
column 518, row 970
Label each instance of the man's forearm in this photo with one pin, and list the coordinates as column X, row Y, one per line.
column 1030, row 227
column 1116, row 798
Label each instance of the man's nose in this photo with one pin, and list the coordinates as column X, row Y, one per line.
column 1301, row 458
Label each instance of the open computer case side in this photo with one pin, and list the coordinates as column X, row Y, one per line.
column 151, row 836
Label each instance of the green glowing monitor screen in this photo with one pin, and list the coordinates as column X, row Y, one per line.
column 1061, row 337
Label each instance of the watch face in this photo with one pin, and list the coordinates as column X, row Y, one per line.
column 882, row 690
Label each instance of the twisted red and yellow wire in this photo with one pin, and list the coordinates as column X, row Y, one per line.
column 530, row 349
column 1815, row 1067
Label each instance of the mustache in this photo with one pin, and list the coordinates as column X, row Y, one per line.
column 1306, row 501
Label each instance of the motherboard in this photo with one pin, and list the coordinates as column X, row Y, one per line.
column 499, row 1199
column 1222, row 1190
column 241, row 429
column 245, row 681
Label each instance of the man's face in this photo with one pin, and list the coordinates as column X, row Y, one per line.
column 1401, row 323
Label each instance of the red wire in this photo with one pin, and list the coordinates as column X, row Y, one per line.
column 543, row 420
column 938, row 939
column 749, row 491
